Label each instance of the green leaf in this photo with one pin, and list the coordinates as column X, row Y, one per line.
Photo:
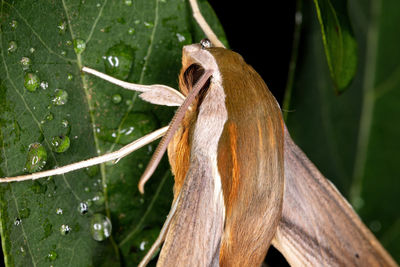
column 354, row 138
column 44, row 222
column 339, row 41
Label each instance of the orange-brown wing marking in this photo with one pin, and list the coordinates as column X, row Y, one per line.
column 250, row 162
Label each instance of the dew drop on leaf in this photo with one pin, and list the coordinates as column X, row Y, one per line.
column 17, row 221
column 128, row 2
column 44, row 85
column 135, row 126
column 83, row 208
column 128, row 102
column 116, row 99
column 79, row 46
column 26, row 63
column 65, row 123
column 47, row 228
column 65, row 229
column 92, row 170
column 62, row 27
column 98, row 199
column 12, row 47
column 70, row 77
column 60, row 143
column 118, row 60
column 31, row 81
column 52, row 256
column 24, row 213
column 50, row 116
column 36, row 159
column 13, row 25
column 60, row 97
column 100, row 227
column 131, row 31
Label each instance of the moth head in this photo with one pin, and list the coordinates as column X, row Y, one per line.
column 197, row 58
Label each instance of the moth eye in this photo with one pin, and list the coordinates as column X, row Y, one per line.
column 192, row 74
column 205, row 43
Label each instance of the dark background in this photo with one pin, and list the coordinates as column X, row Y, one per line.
column 262, row 32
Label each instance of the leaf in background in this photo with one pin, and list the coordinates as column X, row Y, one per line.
column 43, row 94
column 353, row 138
column 339, row 41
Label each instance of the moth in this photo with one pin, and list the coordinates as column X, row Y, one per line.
column 241, row 184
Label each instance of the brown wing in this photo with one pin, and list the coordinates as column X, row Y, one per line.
column 193, row 239
column 250, row 162
column 318, row 226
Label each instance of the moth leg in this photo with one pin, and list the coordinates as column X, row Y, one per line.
column 204, row 25
column 116, row 155
column 156, row 94
column 160, row 239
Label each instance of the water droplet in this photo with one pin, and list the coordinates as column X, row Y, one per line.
column 63, row 53
column 135, row 126
column 12, row 47
column 36, row 159
column 131, row 31
column 181, row 38
column 17, row 221
column 26, row 63
column 65, row 123
column 92, row 170
column 68, row 42
column 98, row 199
column 49, row 116
column 31, row 81
column 13, row 25
column 83, row 208
column 98, row 5
column 128, row 2
column 79, row 46
column 100, row 227
column 116, row 99
column 143, row 245
column 128, row 102
column 62, row 27
column 121, row 20
column 47, row 228
column 65, row 229
column 44, row 85
column 59, row 211
column 60, row 97
column 24, row 213
column 148, row 24
column 70, row 77
column 118, row 60
column 60, row 143
column 52, row 256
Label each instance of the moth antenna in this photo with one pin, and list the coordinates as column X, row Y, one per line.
column 173, row 126
column 204, row 25
column 156, row 94
column 116, row 155
column 161, row 236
